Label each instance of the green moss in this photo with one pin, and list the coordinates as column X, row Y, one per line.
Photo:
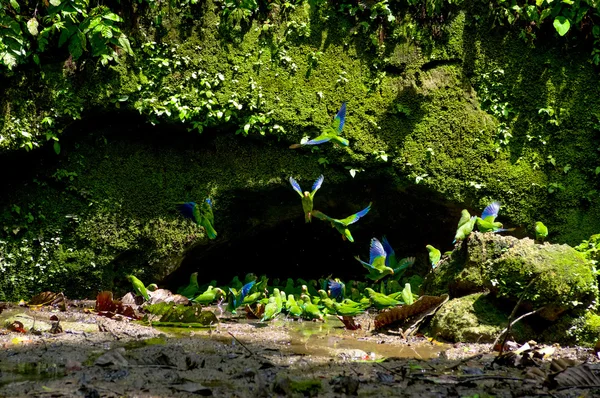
column 473, row 318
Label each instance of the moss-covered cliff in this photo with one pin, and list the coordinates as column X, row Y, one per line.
column 470, row 114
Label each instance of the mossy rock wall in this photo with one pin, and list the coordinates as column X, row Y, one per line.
column 420, row 112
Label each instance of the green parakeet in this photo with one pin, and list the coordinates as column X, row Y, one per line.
column 347, row 310
column 342, row 225
column 311, row 311
column 381, row 301
column 465, row 228
column 292, row 306
column 331, row 132
column 152, row 287
column 192, row 288
column 434, row 255
column 211, row 294
column 327, row 302
column 271, row 309
column 376, row 266
column 307, row 197
column 138, row 287
column 487, row 221
column 541, row 231
column 202, row 215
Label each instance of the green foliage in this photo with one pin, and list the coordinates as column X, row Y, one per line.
column 27, row 31
column 580, row 17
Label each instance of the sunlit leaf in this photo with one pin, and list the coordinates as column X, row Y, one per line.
column 562, row 25
column 32, row 26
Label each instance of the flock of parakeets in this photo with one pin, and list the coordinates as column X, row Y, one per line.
column 311, row 300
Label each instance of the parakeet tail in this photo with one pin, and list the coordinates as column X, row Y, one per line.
column 210, row 231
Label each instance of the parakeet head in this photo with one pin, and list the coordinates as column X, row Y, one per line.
column 306, row 194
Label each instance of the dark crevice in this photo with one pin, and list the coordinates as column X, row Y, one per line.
column 441, row 62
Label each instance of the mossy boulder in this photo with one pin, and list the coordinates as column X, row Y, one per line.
column 555, row 277
column 474, row 318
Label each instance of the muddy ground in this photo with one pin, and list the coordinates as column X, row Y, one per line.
column 95, row 356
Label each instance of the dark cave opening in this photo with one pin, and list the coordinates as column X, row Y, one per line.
column 290, row 248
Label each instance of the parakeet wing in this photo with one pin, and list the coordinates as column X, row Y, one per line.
column 356, row 216
column 319, row 140
column 317, row 185
column 296, row 187
column 321, row 216
column 335, row 288
column 464, row 218
column 377, row 250
column 387, row 247
column 340, row 118
column 491, row 211
column 245, row 289
column 187, row 209
column 207, row 210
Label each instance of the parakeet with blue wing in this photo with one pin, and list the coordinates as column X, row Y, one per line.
column 398, row 266
column 377, row 262
column 331, row 132
column 487, row 222
column 307, row 197
column 342, row 225
column 201, row 214
column 235, row 298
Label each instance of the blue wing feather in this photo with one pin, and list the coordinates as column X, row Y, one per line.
column 209, row 201
column 317, row 141
column 187, row 209
column 296, row 186
column 245, row 289
column 491, row 210
column 387, row 247
column 335, row 288
column 318, row 183
column 355, row 217
column 376, row 250
column 341, row 116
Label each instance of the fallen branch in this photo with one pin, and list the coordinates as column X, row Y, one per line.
column 242, row 344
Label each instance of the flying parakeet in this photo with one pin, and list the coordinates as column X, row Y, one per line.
column 307, row 197
column 541, row 231
column 487, row 221
column 336, row 289
column 202, row 215
column 331, row 132
column 376, row 266
column 138, row 287
column 434, row 255
column 342, row 225
column 235, row 298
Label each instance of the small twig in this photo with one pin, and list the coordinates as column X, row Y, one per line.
column 506, row 331
column 569, row 387
column 490, row 377
column 242, row 344
column 389, row 370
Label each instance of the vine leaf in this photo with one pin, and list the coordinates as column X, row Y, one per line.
column 562, row 25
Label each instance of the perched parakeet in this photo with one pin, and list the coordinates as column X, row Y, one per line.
column 331, row 132
column 326, row 302
column 152, row 287
column 138, row 287
column 347, row 310
column 311, row 311
column 211, row 294
column 434, row 255
column 292, row 306
column 541, row 231
column 192, row 288
column 271, row 309
column 307, row 197
column 235, row 283
column 202, row 215
column 381, row 301
column 342, row 225
column 399, row 266
column 464, row 229
column 376, row 266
